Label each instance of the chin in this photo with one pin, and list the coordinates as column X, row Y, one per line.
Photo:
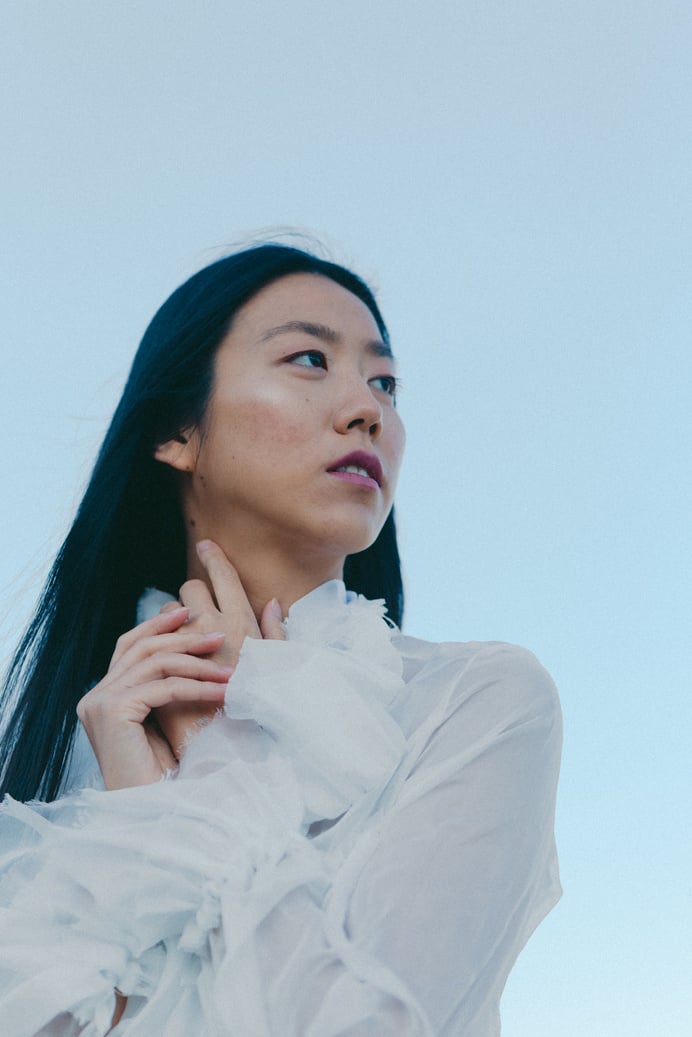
column 357, row 542
column 334, row 534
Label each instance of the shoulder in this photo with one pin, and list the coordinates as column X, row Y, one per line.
column 502, row 677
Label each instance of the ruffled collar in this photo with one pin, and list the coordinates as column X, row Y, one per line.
column 322, row 698
column 329, row 594
column 329, row 616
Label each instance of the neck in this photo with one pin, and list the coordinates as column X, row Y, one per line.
column 269, row 571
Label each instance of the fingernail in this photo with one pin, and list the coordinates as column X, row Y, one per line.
column 227, row 671
column 275, row 609
column 213, row 636
column 203, row 546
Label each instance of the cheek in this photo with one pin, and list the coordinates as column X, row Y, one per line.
column 396, row 441
column 262, row 428
column 276, row 427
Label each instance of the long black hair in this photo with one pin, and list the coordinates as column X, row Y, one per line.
column 128, row 533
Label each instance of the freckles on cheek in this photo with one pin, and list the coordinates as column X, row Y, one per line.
column 281, row 425
column 283, row 434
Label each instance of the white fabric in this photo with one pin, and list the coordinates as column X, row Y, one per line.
column 360, row 846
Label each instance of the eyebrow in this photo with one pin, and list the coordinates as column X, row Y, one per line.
column 321, row 331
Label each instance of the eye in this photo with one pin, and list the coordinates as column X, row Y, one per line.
column 386, row 383
column 309, row 358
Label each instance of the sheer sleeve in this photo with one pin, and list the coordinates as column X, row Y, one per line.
column 427, row 915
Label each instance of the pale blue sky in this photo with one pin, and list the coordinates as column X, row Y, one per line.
column 515, row 178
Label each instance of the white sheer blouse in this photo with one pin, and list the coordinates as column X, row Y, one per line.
column 361, row 845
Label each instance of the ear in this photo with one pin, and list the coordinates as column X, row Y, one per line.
column 180, row 452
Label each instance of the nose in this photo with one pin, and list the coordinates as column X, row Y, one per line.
column 359, row 408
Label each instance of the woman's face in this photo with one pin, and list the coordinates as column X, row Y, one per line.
column 301, row 443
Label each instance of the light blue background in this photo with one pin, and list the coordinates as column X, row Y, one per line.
column 515, row 178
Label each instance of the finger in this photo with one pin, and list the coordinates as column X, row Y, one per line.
column 170, row 664
column 170, row 606
column 135, row 704
column 160, row 624
column 189, row 642
column 195, row 594
column 271, row 622
column 175, row 689
column 228, row 589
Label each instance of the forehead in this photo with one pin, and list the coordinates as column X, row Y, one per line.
column 306, row 298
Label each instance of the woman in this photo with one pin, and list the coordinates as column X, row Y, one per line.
column 361, row 842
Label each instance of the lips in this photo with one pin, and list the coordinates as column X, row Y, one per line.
column 360, row 465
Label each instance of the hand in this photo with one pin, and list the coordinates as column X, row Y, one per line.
column 157, row 663
column 169, row 673
column 227, row 610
